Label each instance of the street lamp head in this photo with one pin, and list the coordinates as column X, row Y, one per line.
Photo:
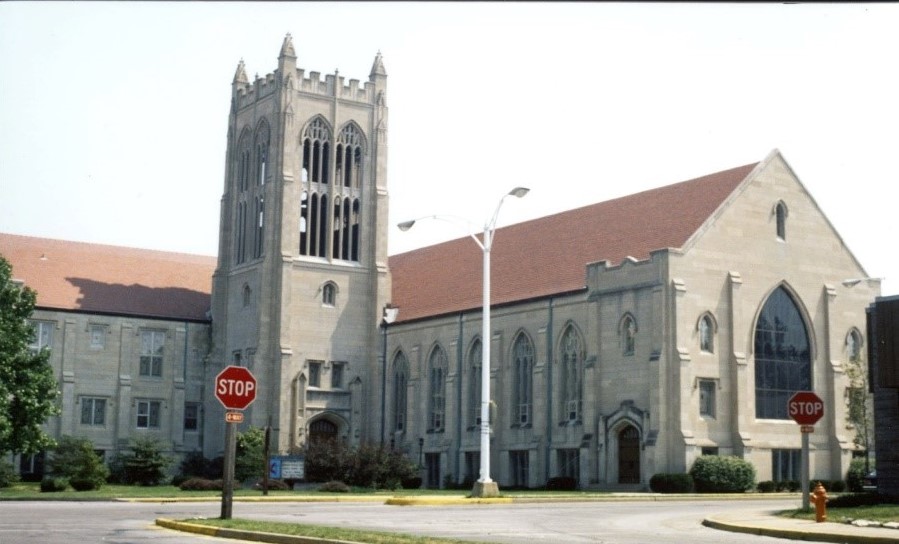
column 519, row 191
column 406, row 225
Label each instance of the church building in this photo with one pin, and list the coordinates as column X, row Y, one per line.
column 627, row 338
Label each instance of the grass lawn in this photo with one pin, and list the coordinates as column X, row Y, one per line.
column 332, row 533
column 882, row 513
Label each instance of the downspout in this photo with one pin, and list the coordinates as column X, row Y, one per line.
column 383, row 379
column 549, row 393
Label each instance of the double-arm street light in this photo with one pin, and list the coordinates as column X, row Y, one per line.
column 484, row 487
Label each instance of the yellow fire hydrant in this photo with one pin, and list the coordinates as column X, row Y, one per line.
column 819, row 499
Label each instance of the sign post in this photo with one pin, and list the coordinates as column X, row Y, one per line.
column 806, row 408
column 235, row 387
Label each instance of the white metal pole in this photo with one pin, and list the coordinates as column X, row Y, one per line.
column 485, row 365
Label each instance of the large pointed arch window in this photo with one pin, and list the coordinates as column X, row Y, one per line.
column 262, row 139
column 572, row 361
column 400, row 383
column 315, row 214
column 523, row 384
column 782, row 356
column 437, row 367
column 242, row 185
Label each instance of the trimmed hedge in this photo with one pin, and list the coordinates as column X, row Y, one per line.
column 334, row 486
column 52, row 484
column 676, row 482
column 201, row 484
column 722, row 474
column 561, row 483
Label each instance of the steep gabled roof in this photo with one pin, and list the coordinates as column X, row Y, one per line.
column 549, row 255
column 112, row 280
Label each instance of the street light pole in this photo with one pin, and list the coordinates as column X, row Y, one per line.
column 484, row 487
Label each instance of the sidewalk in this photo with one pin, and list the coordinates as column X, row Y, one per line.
column 767, row 523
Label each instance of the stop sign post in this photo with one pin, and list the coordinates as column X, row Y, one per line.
column 235, row 387
column 806, row 408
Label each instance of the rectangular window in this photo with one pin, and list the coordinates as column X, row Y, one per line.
column 98, row 336
column 151, row 353
column 191, row 416
column 93, row 411
column 337, row 375
column 786, row 465
column 518, row 462
column 43, row 335
column 569, row 463
column 148, row 414
column 710, row 450
column 432, row 464
column 315, row 373
column 707, row 403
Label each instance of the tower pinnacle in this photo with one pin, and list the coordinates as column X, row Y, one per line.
column 287, row 47
column 240, row 75
column 377, row 68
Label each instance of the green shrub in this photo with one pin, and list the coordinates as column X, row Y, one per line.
column 195, row 465
column 676, row 482
column 334, row 486
column 856, row 474
column 413, row 482
column 52, row 484
column 767, row 486
column 145, row 464
column 722, row 474
column 75, row 459
column 249, row 460
column 8, row 474
column 366, row 466
column 201, row 484
column 853, row 500
column 837, row 486
column 83, row 484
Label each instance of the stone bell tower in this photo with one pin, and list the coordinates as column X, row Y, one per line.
column 302, row 276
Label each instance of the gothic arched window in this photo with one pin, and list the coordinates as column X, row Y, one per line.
column 782, row 356
column 707, row 334
column 780, row 212
column 522, row 380
column 629, row 334
column 437, row 367
column 329, row 294
column 400, row 382
column 572, row 359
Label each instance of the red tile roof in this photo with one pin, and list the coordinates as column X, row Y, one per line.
column 109, row 279
column 549, row 255
column 536, row 258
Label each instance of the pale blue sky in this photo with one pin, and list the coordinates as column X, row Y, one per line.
column 114, row 113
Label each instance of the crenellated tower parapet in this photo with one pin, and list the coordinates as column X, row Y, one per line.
column 331, row 86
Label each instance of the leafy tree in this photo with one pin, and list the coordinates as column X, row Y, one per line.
column 145, row 464
column 75, row 459
column 860, row 413
column 249, row 461
column 28, row 389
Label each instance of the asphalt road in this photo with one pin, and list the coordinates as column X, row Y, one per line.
column 581, row 522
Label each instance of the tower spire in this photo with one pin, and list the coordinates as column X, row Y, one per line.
column 240, row 75
column 287, row 47
column 377, row 68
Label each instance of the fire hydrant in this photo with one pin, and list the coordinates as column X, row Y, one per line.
column 819, row 499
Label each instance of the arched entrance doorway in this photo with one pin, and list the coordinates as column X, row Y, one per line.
column 629, row 455
column 322, row 431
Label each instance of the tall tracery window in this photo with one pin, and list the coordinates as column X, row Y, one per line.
column 242, row 186
column 523, row 364
column 437, row 366
column 854, row 346
column 257, row 220
column 400, row 382
column 330, row 212
column 782, row 356
column 474, row 384
column 572, row 359
column 315, row 214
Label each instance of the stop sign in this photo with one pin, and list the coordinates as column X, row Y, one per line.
column 235, row 387
column 805, row 407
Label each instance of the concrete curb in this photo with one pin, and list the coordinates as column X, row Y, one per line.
column 798, row 534
column 221, row 532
